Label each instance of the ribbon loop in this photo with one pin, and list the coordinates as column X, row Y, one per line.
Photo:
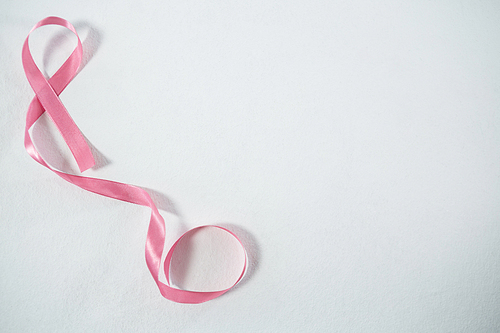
column 47, row 100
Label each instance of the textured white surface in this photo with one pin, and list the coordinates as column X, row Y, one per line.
column 354, row 145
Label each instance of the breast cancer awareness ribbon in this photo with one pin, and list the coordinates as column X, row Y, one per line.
column 47, row 100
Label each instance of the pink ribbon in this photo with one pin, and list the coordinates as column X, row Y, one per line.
column 47, row 100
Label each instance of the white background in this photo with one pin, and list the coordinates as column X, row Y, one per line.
column 353, row 145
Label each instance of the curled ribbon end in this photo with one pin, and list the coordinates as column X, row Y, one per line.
column 86, row 166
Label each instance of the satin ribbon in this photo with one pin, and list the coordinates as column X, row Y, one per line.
column 47, row 100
